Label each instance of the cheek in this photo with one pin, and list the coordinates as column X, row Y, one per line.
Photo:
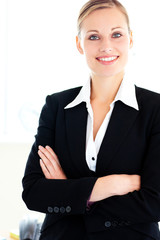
column 124, row 54
column 89, row 53
column 88, row 50
column 124, row 47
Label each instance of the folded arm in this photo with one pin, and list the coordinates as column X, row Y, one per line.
column 108, row 186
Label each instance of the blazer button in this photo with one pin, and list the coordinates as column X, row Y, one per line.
column 127, row 223
column 68, row 209
column 62, row 210
column 50, row 209
column 56, row 209
column 114, row 224
column 107, row 224
column 121, row 224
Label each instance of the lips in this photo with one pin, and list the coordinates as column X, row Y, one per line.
column 108, row 59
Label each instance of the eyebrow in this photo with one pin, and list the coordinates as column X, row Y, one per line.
column 98, row 31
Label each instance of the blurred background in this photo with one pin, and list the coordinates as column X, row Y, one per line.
column 38, row 56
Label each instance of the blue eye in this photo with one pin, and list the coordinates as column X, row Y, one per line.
column 116, row 35
column 93, row 37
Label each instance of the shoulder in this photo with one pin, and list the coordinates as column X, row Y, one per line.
column 56, row 102
column 149, row 108
column 147, row 98
column 64, row 97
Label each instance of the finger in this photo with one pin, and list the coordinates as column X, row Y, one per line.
column 43, row 156
column 52, row 166
column 48, row 164
column 52, row 153
column 45, row 152
column 44, row 169
column 49, row 153
column 50, row 156
column 51, row 175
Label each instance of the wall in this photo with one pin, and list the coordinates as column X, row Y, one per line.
column 12, row 209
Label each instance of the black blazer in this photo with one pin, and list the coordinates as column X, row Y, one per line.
column 131, row 145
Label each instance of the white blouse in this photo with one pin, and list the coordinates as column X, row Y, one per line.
column 126, row 94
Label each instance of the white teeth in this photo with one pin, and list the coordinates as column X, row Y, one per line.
column 107, row 59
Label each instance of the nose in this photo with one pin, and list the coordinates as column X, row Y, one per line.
column 106, row 50
column 106, row 46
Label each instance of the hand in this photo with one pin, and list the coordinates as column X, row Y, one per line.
column 125, row 183
column 116, row 184
column 50, row 164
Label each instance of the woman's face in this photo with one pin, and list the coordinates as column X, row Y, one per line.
column 105, row 41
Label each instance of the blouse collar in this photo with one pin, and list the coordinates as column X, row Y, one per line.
column 126, row 94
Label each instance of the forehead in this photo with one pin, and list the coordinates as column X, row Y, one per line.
column 106, row 18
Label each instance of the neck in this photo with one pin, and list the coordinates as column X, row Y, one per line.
column 105, row 89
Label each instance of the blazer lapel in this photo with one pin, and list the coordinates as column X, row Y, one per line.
column 76, row 121
column 121, row 121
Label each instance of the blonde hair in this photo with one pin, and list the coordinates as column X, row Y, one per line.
column 93, row 5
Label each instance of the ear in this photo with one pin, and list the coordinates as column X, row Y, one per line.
column 78, row 43
column 131, row 40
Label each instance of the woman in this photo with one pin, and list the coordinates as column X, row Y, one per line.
column 99, row 145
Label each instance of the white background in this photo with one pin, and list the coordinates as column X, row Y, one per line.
column 38, row 56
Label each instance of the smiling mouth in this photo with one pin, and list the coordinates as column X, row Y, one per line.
column 107, row 59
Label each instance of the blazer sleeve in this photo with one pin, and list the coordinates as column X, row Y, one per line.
column 52, row 196
column 139, row 206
